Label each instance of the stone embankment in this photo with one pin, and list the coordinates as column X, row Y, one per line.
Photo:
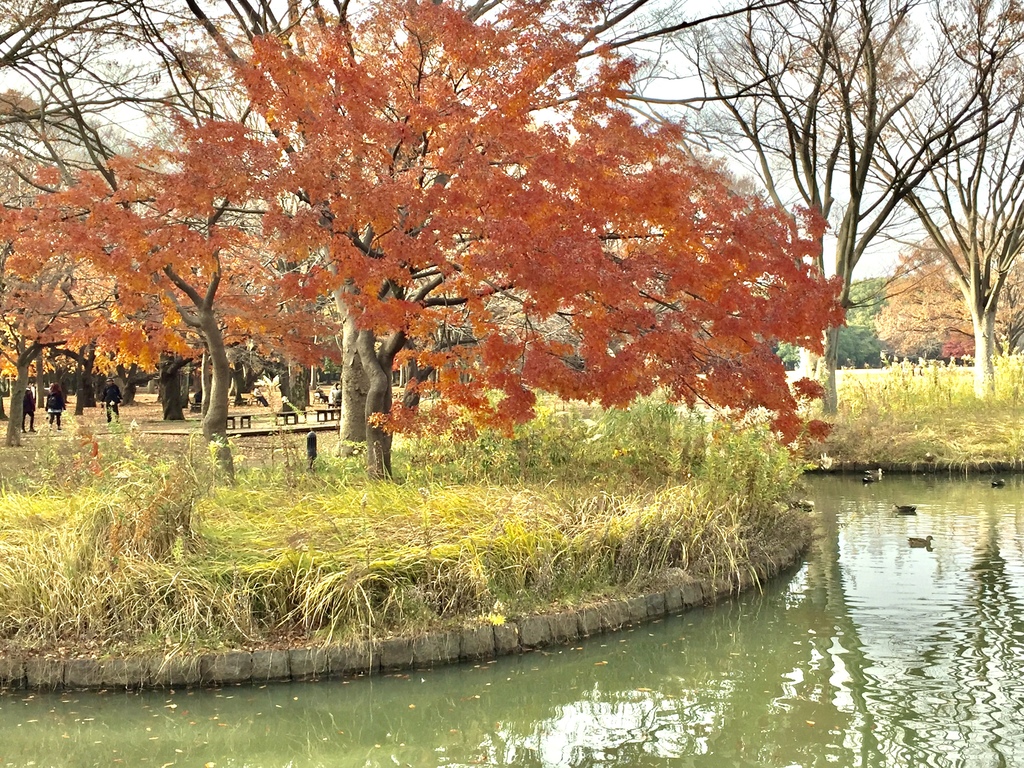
column 478, row 642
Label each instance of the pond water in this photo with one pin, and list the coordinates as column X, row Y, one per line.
column 872, row 653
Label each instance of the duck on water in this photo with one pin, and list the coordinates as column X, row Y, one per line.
column 872, row 475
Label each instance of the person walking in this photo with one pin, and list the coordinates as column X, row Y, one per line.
column 311, row 448
column 28, row 410
column 55, row 404
column 111, row 397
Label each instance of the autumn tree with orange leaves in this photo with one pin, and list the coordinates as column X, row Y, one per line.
column 179, row 251
column 484, row 209
column 489, row 212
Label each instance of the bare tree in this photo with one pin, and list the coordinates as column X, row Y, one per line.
column 972, row 204
column 818, row 96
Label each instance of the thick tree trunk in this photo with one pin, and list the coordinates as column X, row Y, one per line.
column 17, row 394
column 169, row 380
column 132, row 376
column 355, row 386
column 984, row 349
column 86, row 395
column 377, row 365
column 822, row 369
column 354, row 383
column 298, row 386
column 238, row 383
column 215, row 397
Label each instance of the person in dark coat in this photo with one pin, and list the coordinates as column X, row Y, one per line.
column 111, row 397
column 311, row 448
column 55, row 404
column 28, row 410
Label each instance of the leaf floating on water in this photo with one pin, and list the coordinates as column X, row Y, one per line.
column 645, row 690
column 412, row 706
column 600, row 663
column 810, row 722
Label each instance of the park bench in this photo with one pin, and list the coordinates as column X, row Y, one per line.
column 287, row 417
column 328, row 414
column 244, row 421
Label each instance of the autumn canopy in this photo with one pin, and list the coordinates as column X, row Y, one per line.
column 480, row 208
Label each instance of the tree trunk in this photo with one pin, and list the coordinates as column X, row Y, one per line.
column 17, row 394
column 378, row 403
column 238, row 382
column 86, row 395
column 206, row 376
column 23, row 363
column 215, row 397
column 416, row 376
column 984, row 345
column 298, row 386
column 822, row 369
column 355, row 385
column 169, row 380
column 354, row 382
column 827, row 374
column 378, row 364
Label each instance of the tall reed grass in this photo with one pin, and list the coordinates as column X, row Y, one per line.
column 150, row 554
column 914, row 413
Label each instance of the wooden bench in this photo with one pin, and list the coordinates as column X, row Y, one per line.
column 328, row 414
column 195, row 407
column 287, row 417
column 244, row 422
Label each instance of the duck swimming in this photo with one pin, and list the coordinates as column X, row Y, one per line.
column 904, row 509
column 916, row 542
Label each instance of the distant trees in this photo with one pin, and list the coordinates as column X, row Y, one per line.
column 844, row 108
column 972, row 203
column 926, row 316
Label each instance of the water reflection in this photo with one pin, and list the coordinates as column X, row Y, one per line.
column 873, row 654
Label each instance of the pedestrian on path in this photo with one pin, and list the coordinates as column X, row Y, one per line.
column 55, row 404
column 311, row 448
column 28, row 410
column 111, row 397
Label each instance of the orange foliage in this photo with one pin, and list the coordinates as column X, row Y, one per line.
column 491, row 208
column 490, row 202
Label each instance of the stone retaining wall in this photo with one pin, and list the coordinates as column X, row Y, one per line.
column 387, row 655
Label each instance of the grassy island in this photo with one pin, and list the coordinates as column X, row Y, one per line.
column 120, row 545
